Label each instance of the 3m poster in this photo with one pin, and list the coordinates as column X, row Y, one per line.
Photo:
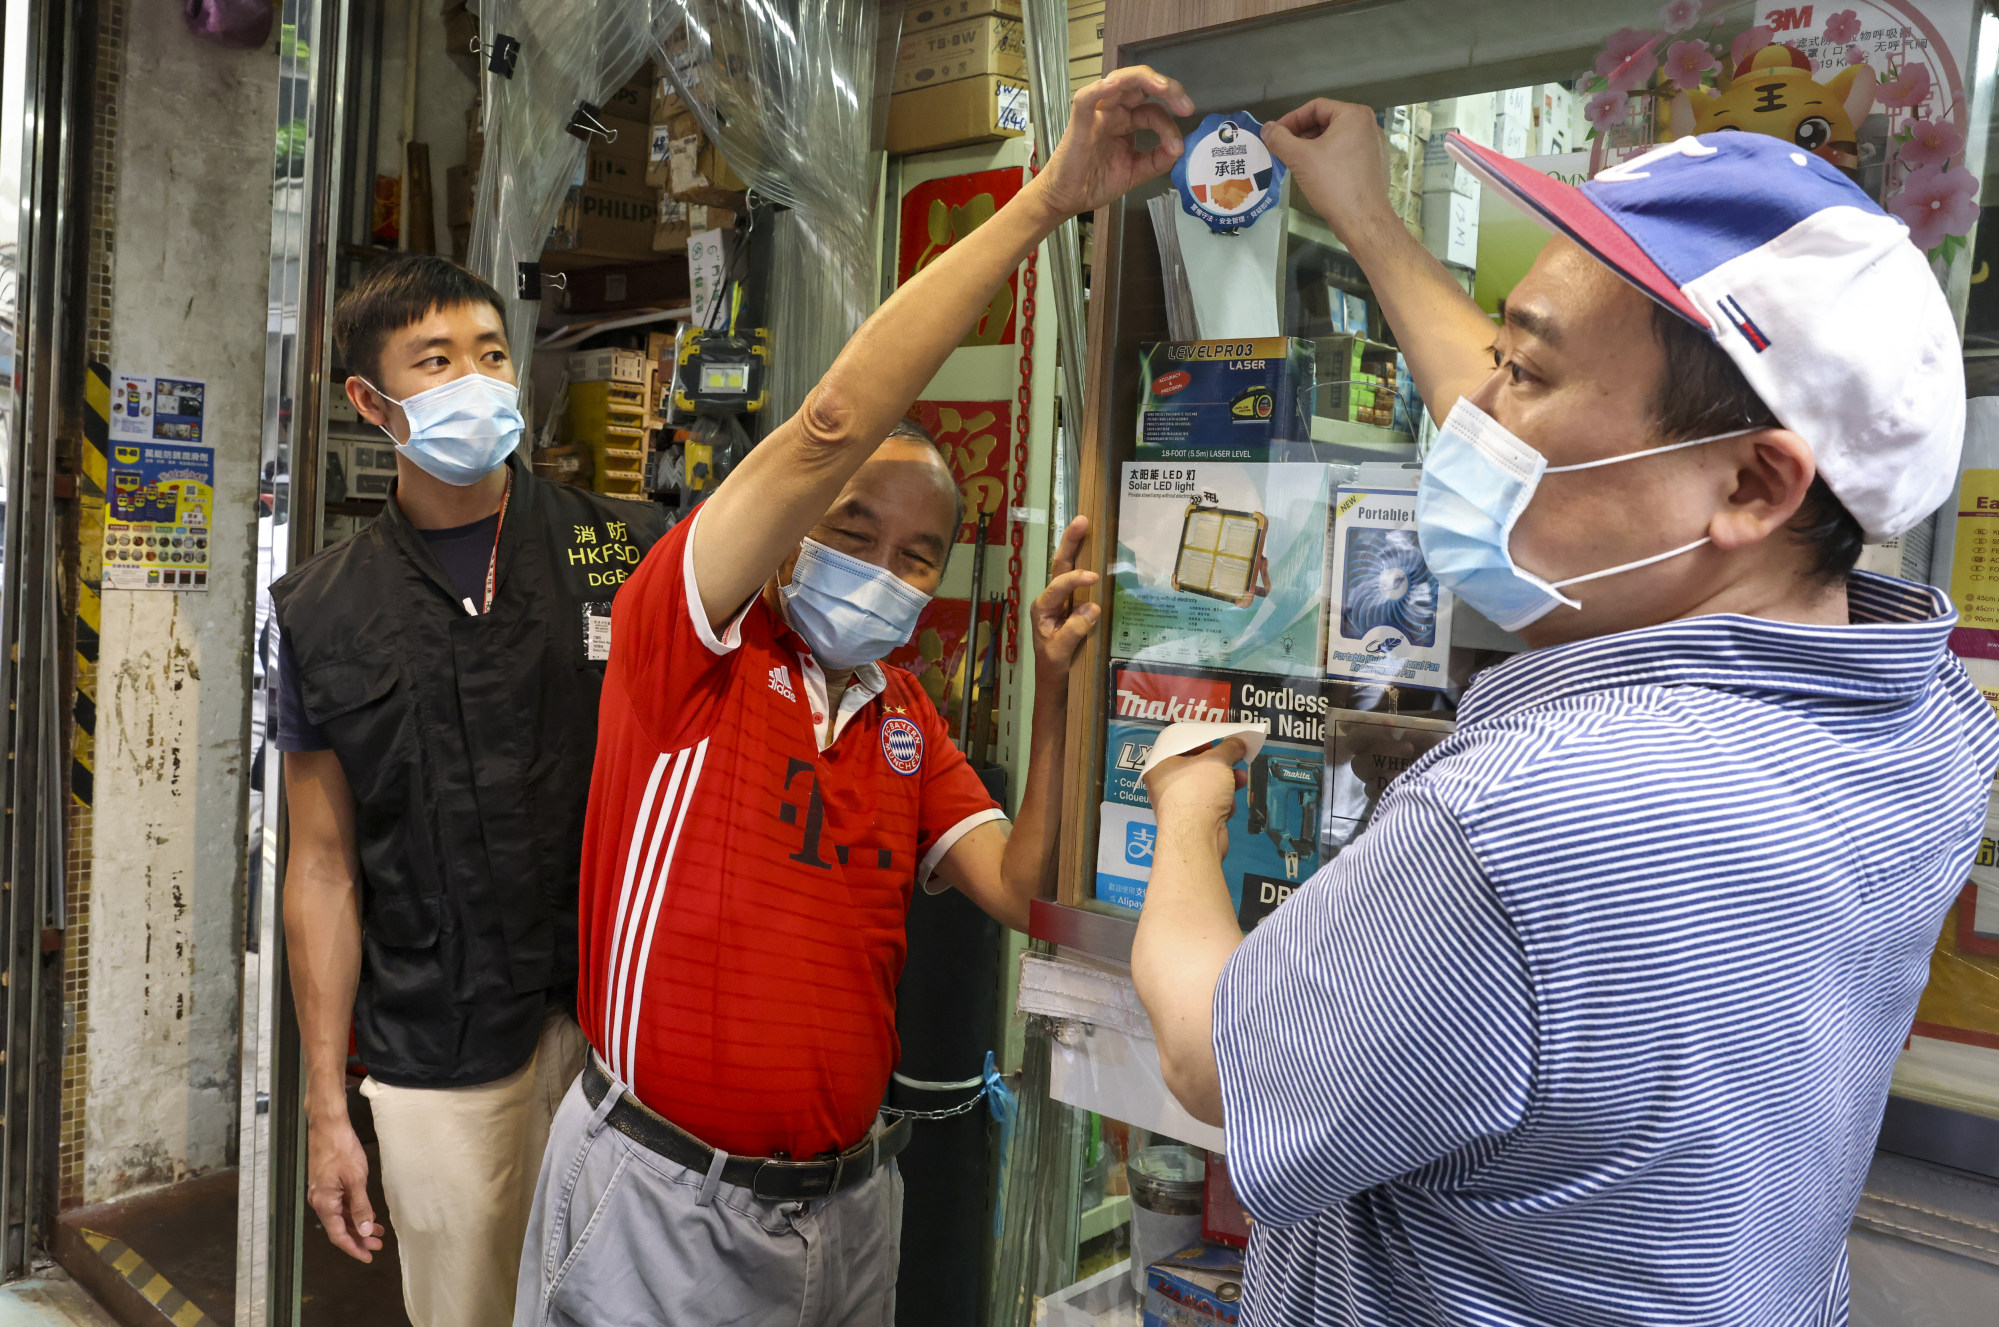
column 159, row 508
column 151, row 407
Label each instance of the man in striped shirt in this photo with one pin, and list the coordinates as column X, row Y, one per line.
column 1594, row 1023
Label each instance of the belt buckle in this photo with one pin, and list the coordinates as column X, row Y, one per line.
column 803, row 1170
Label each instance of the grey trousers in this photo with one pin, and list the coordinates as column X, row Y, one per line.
column 620, row 1237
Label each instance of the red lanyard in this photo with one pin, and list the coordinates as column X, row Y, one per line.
column 493, row 562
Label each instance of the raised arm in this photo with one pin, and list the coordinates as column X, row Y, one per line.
column 1336, row 155
column 781, row 489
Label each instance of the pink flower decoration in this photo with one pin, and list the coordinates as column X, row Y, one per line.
column 1679, row 15
column 1686, row 61
column 1931, row 143
column 1606, row 108
column 1936, row 204
column 1909, row 88
column 1627, row 60
column 1749, row 43
column 1855, row 56
column 1842, row 27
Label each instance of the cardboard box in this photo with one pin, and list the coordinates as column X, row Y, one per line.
column 1235, row 397
column 696, row 172
column 607, row 365
column 666, row 102
column 1514, row 102
column 970, row 110
column 659, row 153
column 1197, row 1287
column 1223, row 564
column 922, row 17
column 631, row 138
column 1390, row 619
column 601, row 223
column 633, row 101
column 1086, row 32
column 614, row 174
column 1512, row 135
column 989, row 45
column 1273, row 832
column 1085, row 69
column 649, row 283
column 670, row 233
column 1450, row 227
column 366, row 468
column 1443, row 174
column 1554, row 119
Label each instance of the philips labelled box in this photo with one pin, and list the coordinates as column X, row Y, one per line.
column 1223, row 564
column 1224, row 398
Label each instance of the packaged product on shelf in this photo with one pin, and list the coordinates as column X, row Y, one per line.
column 1197, row 1287
column 1273, row 835
column 1366, row 750
column 1224, row 398
column 1391, row 620
column 1223, row 564
column 1450, row 227
column 1357, row 379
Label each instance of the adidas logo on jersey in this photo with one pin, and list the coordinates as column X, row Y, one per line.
column 780, row 682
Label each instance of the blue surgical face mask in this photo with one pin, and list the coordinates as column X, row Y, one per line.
column 462, row 430
column 1477, row 479
column 849, row 611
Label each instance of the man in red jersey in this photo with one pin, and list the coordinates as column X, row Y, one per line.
column 765, row 793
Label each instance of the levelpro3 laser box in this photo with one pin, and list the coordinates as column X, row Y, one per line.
column 1224, row 400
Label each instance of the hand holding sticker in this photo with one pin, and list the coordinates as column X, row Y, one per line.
column 1227, row 177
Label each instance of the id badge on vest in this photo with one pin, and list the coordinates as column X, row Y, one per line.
column 597, row 630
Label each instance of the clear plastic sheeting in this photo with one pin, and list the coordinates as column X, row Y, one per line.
column 1037, row 1248
column 571, row 52
column 1047, row 26
column 787, row 91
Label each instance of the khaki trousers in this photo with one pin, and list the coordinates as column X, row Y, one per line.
column 459, row 1166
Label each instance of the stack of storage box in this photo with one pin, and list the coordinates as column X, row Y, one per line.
column 608, row 408
column 697, row 190
column 1408, row 130
column 960, row 75
column 610, row 212
column 1086, row 42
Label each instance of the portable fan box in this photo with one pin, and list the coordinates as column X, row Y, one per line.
column 1391, row 620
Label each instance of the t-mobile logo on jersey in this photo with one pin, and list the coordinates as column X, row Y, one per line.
column 780, row 682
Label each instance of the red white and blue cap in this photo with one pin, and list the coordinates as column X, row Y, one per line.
column 1814, row 292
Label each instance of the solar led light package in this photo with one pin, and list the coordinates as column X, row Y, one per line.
column 1224, row 565
column 1391, row 619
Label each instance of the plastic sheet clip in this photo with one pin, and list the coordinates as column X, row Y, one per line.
column 529, row 279
column 588, row 121
column 501, row 56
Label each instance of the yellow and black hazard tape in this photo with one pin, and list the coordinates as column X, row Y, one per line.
column 90, row 574
column 123, row 1259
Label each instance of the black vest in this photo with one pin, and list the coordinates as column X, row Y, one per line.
column 468, row 743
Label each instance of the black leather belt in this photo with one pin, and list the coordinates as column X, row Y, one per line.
column 772, row 1179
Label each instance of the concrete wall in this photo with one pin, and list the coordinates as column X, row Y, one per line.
column 189, row 297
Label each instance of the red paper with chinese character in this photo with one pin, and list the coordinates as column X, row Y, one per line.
column 976, row 437
column 937, row 214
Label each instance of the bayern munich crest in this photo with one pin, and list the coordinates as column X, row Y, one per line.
column 902, row 744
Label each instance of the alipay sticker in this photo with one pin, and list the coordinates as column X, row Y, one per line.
column 1227, row 177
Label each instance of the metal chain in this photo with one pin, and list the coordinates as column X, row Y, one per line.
column 945, row 1114
column 1018, row 514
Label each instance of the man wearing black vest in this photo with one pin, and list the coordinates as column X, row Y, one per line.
column 438, row 685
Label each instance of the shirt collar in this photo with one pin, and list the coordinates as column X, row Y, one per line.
column 1896, row 636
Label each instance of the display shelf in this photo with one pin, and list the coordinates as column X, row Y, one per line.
column 1393, row 444
column 1106, row 1216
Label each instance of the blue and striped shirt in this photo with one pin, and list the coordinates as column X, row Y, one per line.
column 1594, row 1023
